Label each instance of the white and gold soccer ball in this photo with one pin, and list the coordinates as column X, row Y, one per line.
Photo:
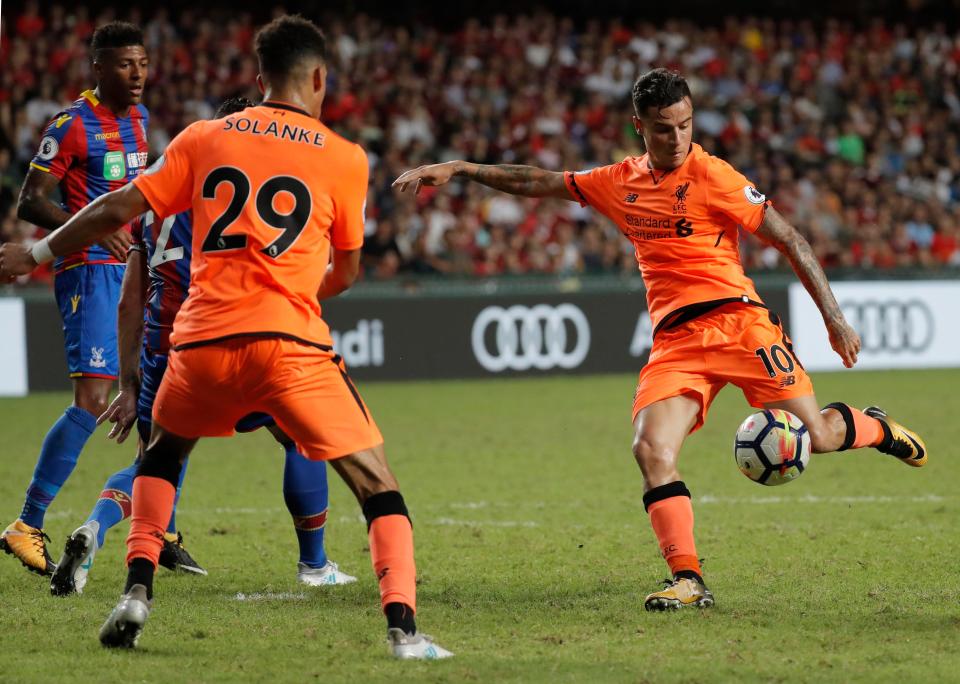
column 772, row 447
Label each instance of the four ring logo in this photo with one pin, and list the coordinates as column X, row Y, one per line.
column 891, row 325
column 520, row 338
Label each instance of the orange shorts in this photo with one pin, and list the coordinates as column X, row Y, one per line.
column 306, row 390
column 737, row 343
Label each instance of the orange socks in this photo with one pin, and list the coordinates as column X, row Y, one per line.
column 391, row 550
column 862, row 430
column 152, row 506
column 671, row 515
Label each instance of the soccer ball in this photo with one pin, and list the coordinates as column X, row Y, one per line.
column 772, row 447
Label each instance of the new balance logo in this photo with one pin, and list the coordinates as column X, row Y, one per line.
column 631, row 198
column 788, row 381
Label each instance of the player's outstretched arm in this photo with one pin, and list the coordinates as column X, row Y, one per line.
column 776, row 231
column 34, row 204
column 341, row 273
column 102, row 217
column 528, row 181
column 122, row 411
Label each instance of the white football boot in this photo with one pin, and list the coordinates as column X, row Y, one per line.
column 71, row 573
column 323, row 576
column 414, row 647
column 125, row 623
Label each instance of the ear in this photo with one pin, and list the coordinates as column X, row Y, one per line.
column 262, row 88
column 319, row 78
column 638, row 126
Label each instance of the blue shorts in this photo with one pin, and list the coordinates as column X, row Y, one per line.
column 152, row 368
column 87, row 297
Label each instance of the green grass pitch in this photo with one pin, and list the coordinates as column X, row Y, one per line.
column 533, row 551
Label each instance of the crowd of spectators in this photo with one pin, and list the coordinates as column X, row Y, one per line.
column 853, row 132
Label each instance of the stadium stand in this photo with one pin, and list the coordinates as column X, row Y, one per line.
column 855, row 135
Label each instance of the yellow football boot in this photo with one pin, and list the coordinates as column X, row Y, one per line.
column 899, row 441
column 680, row 592
column 28, row 544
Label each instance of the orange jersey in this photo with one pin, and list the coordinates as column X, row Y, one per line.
column 271, row 190
column 683, row 224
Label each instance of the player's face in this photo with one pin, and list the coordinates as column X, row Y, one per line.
column 667, row 133
column 121, row 74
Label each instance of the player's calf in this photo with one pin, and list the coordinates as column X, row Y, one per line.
column 873, row 428
column 671, row 516
column 391, row 550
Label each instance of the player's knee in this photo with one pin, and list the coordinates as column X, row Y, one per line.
column 654, row 456
column 92, row 395
column 827, row 431
column 159, row 462
column 383, row 504
column 93, row 403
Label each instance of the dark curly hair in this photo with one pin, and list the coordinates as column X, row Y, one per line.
column 116, row 34
column 284, row 43
column 658, row 88
column 232, row 105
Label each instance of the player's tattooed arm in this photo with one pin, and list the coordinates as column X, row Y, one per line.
column 35, row 206
column 528, row 181
column 777, row 231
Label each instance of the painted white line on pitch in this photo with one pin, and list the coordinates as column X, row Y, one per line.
column 483, row 523
column 813, row 499
column 706, row 499
column 269, row 596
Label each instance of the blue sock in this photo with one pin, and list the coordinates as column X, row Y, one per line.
column 172, row 527
column 58, row 457
column 305, row 491
column 114, row 503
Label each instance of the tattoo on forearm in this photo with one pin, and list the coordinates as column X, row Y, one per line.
column 811, row 274
column 528, row 181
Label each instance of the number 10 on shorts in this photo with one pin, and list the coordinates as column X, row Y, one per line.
column 779, row 357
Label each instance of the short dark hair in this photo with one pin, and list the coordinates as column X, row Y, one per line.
column 232, row 105
column 658, row 88
column 116, row 34
column 287, row 41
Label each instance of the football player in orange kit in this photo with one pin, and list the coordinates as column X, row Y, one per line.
column 272, row 190
column 682, row 207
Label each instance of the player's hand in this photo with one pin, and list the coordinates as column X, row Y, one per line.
column 844, row 340
column 118, row 244
column 15, row 260
column 122, row 412
column 434, row 174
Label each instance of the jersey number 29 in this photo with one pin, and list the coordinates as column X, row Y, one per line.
column 291, row 224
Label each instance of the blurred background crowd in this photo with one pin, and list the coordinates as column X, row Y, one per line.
column 852, row 131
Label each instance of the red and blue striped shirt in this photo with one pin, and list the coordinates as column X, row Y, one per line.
column 166, row 245
column 92, row 152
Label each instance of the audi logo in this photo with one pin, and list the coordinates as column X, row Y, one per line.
column 520, row 338
column 891, row 325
